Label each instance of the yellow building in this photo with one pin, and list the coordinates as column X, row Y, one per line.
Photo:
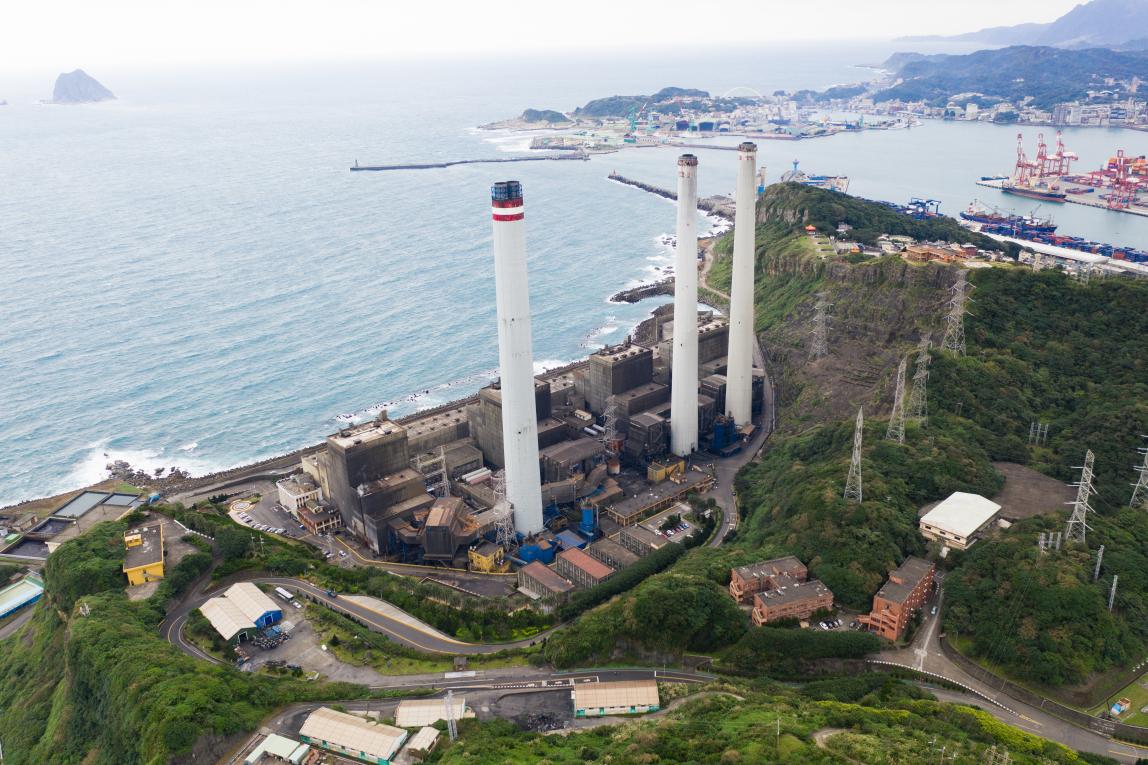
column 487, row 557
column 143, row 554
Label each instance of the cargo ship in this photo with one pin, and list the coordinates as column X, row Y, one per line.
column 1043, row 192
column 1017, row 223
column 1013, row 230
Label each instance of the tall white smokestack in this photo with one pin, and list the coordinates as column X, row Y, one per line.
column 684, row 381
column 739, row 375
column 516, row 359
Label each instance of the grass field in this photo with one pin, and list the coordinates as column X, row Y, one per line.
column 1137, row 691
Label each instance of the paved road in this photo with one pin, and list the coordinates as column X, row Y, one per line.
column 11, row 627
column 398, row 626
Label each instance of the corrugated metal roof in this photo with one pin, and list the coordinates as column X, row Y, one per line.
column 226, row 617
column 413, row 713
column 20, row 594
column 962, row 513
column 250, row 600
column 624, row 693
column 353, row 734
column 423, row 741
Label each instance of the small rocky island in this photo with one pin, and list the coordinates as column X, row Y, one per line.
column 79, row 87
column 532, row 119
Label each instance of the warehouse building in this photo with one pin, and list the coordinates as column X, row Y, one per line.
column 641, row 541
column 143, row 554
column 20, row 594
column 959, row 520
column 799, row 600
column 581, row 569
column 278, row 749
column 241, row 610
column 906, row 591
column 612, row 554
column 625, row 697
column 543, row 583
column 418, row 713
column 421, row 744
column 352, row 736
column 747, row 581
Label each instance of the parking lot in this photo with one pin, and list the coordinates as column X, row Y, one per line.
column 679, row 532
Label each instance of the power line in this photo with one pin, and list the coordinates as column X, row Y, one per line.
column 853, row 481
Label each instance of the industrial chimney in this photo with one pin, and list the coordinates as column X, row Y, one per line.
column 684, row 380
column 739, row 374
column 516, row 359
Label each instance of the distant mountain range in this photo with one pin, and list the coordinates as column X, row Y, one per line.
column 1049, row 75
column 1099, row 23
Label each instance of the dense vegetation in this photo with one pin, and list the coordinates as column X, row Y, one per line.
column 1044, row 348
column 870, row 719
column 106, row 688
column 1048, row 75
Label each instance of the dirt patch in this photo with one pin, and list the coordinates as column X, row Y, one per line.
column 544, row 711
column 304, row 648
column 1028, row 493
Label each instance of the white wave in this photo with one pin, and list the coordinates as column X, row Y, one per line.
column 190, row 446
column 93, row 466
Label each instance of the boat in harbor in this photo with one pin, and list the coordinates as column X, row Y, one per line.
column 1043, row 192
column 978, row 213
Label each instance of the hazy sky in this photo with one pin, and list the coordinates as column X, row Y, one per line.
column 61, row 34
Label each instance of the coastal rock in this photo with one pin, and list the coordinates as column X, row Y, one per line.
column 543, row 115
column 78, row 87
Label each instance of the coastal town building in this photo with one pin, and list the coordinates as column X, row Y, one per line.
column 352, row 736
column 799, row 600
column 295, row 491
column 747, row 581
column 143, row 553
column 624, row 697
column 581, row 569
column 543, row 583
column 905, row 593
column 959, row 520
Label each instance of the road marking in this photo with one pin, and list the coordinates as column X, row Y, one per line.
column 1034, row 722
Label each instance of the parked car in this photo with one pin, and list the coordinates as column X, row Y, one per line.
column 342, row 553
column 934, row 611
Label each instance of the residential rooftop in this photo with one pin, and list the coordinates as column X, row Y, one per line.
column 148, row 550
column 904, row 579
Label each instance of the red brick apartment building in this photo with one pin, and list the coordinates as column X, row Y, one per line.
column 747, row 581
column 906, row 591
column 794, row 601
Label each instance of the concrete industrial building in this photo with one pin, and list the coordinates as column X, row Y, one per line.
column 543, row 583
column 612, row 554
column 581, row 569
column 516, row 358
column 739, row 376
column 297, row 490
column 418, row 713
column 959, row 519
column 278, row 749
column 658, row 497
column 143, row 553
column 747, row 581
column 242, row 609
column 352, row 736
column 684, row 379
column 20, row 594
column 641, row 541
column 793, row 600
column 906, row 591
column 623, row 697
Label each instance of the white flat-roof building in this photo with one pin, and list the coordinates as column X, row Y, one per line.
column 958, row 520
column 352, row 736
column 296, row 490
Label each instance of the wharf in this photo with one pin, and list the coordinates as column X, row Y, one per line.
column 496, row 160
column 1080, row 199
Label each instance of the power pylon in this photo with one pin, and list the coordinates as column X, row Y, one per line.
column 853, row 481
column 958, row 306
column 610, row 422
column 918, row 407
column 819, row 348
column 1140, row 488
column 896, row 431
column 1078, row 521
column 452, row 729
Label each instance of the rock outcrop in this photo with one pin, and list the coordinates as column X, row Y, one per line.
column 79, row 87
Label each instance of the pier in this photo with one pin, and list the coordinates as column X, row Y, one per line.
column 1086, row 200
column 496, row 160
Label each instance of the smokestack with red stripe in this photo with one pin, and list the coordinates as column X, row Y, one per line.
column 684, row 379
column 739, row 374
column 516, row 359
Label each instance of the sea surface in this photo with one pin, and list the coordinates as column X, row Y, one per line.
column 193, row 277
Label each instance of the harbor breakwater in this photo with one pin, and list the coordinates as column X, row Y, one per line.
column 720, row 206
column 496, row 160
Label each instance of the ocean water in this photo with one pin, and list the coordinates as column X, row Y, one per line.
column 193, row 277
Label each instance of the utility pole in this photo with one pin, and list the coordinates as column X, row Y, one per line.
column 853, row 481
column 1078, row 522
column 1099, row 558
column 1112, row 592
column 958, row 306
column 896, row 431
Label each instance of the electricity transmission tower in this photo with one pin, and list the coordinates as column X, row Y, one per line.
column 1140, row 488
column 820, row 346
column 955, row 323
column 896, row 431
column 1037, row 433
column 452, row 728
column 1078, row 522
column 504, row 535
column 853, row 481
column 1050, row 540
column 918, row 407
column 610, row 422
